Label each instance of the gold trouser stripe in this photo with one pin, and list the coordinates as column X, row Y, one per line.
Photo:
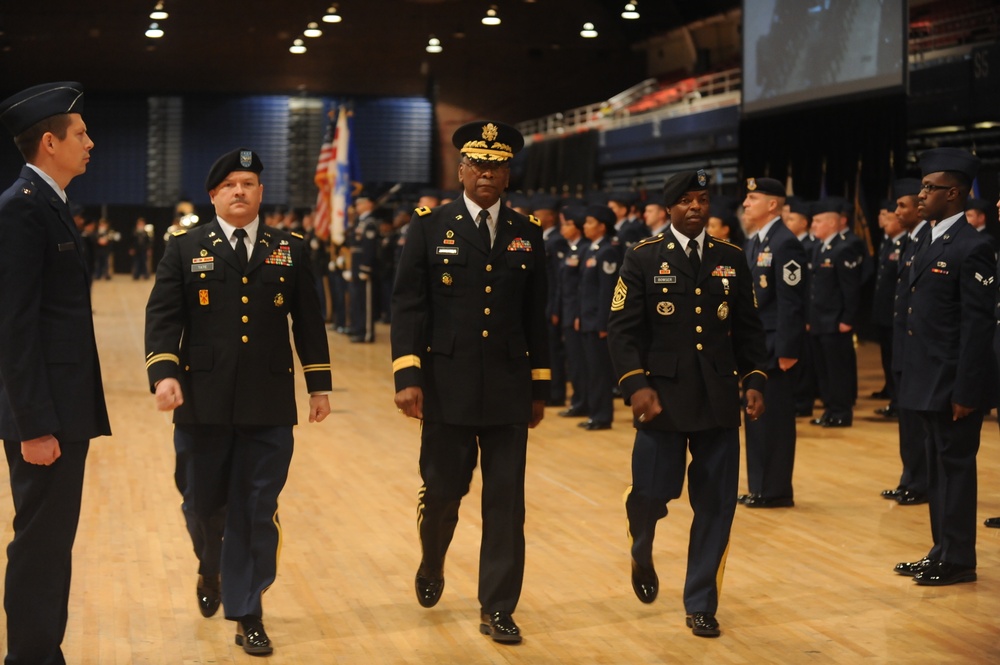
column 721, row 572
column 756, row 371
column 277, row 553
column 315, row 368
column 541, row 375
column 160, row 357
column 403, row 362
column 628, row 374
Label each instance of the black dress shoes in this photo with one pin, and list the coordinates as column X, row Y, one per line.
column 594, row 425
column 992, row 522
column 572, row 412
column 645, row 583
column 251, row 636
column 892, row 494
column 880, row 394
column 209, row 595
column 703, row 624
column 942, row 573
column 500, row 626
column 585, row 424
column 836, row 422
column 743, row 498
column 911, row 569
column 908, row 498
column 887, row 412
column 758, row 501
column 429, row 588
column 818, row 421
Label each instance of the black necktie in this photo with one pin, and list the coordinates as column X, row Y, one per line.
column 693, row 255
column 756, row 247
column 484, row 227
column 241, row 248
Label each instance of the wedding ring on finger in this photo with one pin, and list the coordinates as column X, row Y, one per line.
column 642, row 417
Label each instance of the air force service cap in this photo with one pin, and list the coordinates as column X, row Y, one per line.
column 241, row 159
column 906, row 187
column 685, row 181
column 768, row 186
column 488, row 141
column 28, row 107
column 961, row 161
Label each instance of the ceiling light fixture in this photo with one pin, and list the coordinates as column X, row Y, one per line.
column 631, row 10
column 154, row 32
column 491, row 17
column 331, row 15
column 312, row 30
column 297, row 47
column 588, row 31
column 434, row 45
column 158, row 13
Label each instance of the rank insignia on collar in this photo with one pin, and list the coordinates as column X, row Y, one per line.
column 671, row 245
column 458, row 216
column 216, row 241
column 211, row 234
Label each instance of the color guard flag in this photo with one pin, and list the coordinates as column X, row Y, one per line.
column 336, row 168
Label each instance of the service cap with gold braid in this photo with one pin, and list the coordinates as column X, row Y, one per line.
column 488, row 141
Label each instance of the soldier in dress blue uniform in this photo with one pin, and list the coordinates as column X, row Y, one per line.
column 912, row 487
column 470, row 360
column 218, row 356
column 835, row 292
column 777, row 263
column 567, row 306
column 684, row 334
column 950, row 326
column 887, row 270
column 626, row 229
column 364, row 244
column 601, row 260
column 798, row 219
column 51, row 394
column 556, row 247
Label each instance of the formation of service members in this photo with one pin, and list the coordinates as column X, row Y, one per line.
column 364, row 253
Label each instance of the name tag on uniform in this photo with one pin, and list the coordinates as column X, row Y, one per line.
column 203, row 264
column 452, row 251
column 67, row 246
column 664, row 279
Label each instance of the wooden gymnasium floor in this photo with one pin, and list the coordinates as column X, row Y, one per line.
column 813, row 584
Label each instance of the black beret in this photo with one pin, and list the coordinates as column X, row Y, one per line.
column 241, row 159
column 604, row 215
column 831, row 204
column 981, row 205
column 28, row 107
column 597, row 198
column 906, row 187
column 542, row 201
column 519, row 200
column 800, row 206
column 887, row 204
column 576, row 213
column 768, row 186
column 685, row 181
column 622, row 197
column 936, row 160
column 487, row 141
column 427, row 191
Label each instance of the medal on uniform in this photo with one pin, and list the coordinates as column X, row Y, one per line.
column 763, row 281
column 664, row 308
column 446, row 279
column 279, row 300
column 725, row 285
column 723, row 311
column 203, row 252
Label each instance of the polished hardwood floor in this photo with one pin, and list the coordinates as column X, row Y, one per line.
column 810, row 584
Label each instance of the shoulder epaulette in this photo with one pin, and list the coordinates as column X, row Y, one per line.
column 179, row 232
column 648, row 241
column 298, row 235
column 725, row 242
column 422, row 211
column 534, row 220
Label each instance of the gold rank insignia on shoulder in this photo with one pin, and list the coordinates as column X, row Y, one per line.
column 298, row 235
column 26, row 190
column 179, row 232
column 422, row 211
column 534, row 220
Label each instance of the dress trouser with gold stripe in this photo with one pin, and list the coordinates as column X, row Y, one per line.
column 659, row 461
column 447, row 460
column 238, row 472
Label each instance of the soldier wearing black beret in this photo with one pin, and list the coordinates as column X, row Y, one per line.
column 950, row 327
column 51, row 394
column 218, row 355
column 684, row 336
column 470, row 360
column 777, row 263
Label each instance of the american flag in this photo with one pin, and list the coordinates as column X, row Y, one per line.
column 333, row 178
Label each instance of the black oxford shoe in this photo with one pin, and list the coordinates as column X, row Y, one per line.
column 209, row 595
column 818, row 421
column 703, row 624
column 942, row 573
column 594, row 425
column 911, row 569
column 892, row 494
column 500, row 626
column 887, row 412
column 743, row 498
column 645, row 583
column 908, row 498
column 880, row 394
column 992, row 522
column 758, row 501
column 572, row 412
column 836, row 422
column 585, row 424
column 251, row 636
column 429, row 589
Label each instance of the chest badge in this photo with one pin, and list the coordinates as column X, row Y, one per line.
column 203, row 297
column 203, row 252
column 664, row 308
column 763, row 281
column 446, row 279
column 723, row 311
column 279, row 300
